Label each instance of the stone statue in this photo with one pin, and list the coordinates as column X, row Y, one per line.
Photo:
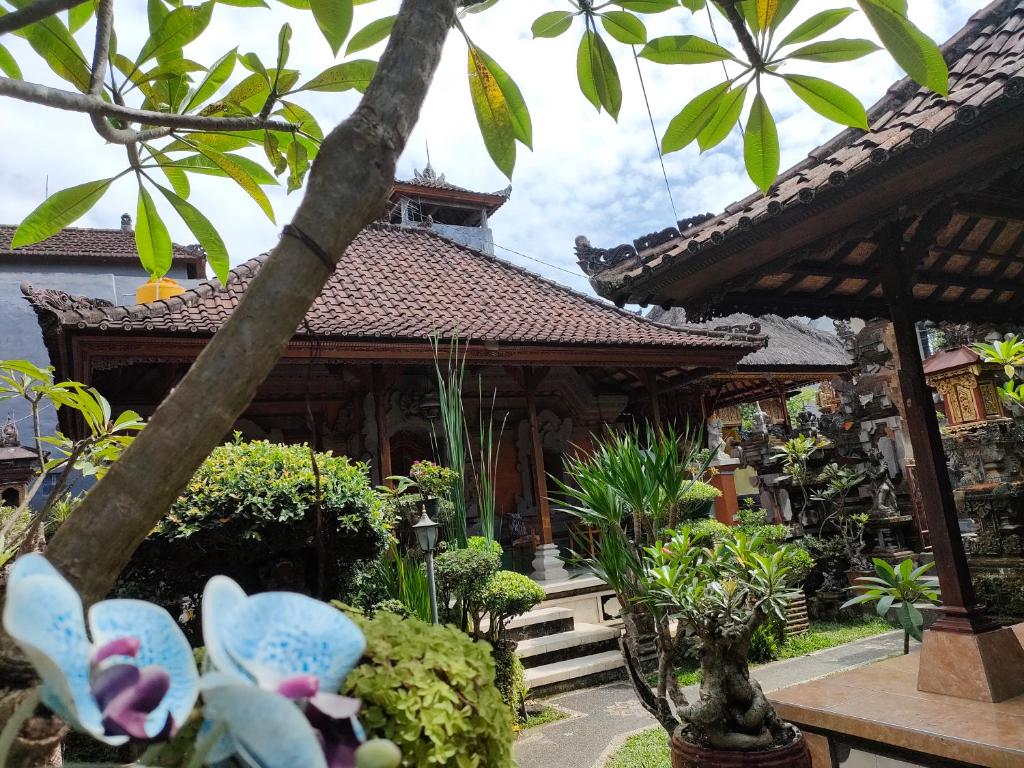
column 883, row 492
column 760, row 421
column 9, row 434
column 715, row 440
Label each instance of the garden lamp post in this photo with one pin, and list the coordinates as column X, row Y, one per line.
column 426, row 536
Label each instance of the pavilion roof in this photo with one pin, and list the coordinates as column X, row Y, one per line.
column 945, row 168
column 405, row 284
column 91, row 245
column 432, row 185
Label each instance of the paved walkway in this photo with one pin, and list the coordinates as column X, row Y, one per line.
column 602, row 718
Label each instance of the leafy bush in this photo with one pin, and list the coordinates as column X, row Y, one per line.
column 695, row 499
column 249, row 512
column 434, row 480
column 709, row 529
column 767, row 641
column 510, row 679
column 509, row 594
column 431, row 690
column 462, row 576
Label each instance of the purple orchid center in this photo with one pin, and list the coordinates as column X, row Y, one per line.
column 127, row 694
column 333, row 718
column 299, row 687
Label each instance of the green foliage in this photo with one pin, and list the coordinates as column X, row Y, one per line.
column 799, row 402
column 1009, row 353
column 431, row 690
column 695, row 499
column 647, row 749
column 766, row 642
column 510, row 680
column 899, row 588
column 544, row 717
column 507, row 595
column 454, row 438
column 462, row 577
column 394, row 582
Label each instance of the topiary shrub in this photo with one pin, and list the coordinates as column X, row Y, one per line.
column 249, row 513
column 431, row 691
column 462, row 576
column 508, row 594
column 510, row 679
column 697, row 499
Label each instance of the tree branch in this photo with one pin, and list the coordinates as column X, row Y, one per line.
column 38, row 11
column 347, row 189
column 80, row 102
column 739, row 26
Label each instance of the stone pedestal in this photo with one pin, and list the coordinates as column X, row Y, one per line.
column 727, row 506
column 985, row 667
column 547, row 566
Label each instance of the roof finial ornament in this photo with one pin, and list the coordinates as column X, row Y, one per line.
column 126, row 222
column 9, row 433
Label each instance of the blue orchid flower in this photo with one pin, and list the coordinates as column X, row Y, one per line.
column 279, row 659
column 136, row 678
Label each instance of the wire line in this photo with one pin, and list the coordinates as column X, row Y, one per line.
column 654, row 133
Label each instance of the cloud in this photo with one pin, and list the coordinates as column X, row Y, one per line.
column 587, row 174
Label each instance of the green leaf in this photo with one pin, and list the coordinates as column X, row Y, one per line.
column 370, row 35
column 782, row 11
column 216, row 76
column 175, row 175
column 204, row 231
column 685, row 126
column 241, row 177
column 597, row 74
column 79, row 16
column 492, row 114
column 831, row 51
column 298, row 164
column 51, row 40
column 725, row 117
column 624, row 27
column 829, row 100
column 522, row 124
column 347, row 76
column 284, row 46
column 816, row 25
column 647, row 6
column 58, row 211
column 203, row 165
column 766, row 10
column 913, row 50
column 179, row 28
column 684, row 49
column 694, row 5
column 252, row 62
column 334, row 17
column 761, row 145
column 552, row 24
column 151, row 237
column 8, row 65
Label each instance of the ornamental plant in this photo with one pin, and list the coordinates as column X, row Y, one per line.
column 721, row 593
column 900, row 588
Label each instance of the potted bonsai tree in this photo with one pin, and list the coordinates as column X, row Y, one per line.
column 720, row 593
column 719, row 589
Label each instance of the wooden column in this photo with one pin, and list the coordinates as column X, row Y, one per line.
column 540, row 479
column 380, row 398
column 962, row 612
column 786, row 420
column 651, row 381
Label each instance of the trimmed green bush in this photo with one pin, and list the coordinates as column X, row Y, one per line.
column 510, row 679
column 696, row 500
column 250, row 512
column 462, row 576
column 509, row 594
column 431, row 691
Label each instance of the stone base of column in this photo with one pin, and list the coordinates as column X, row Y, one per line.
column 547, row 566
column 984, row 667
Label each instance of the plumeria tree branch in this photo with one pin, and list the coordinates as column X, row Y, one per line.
column 30, row 14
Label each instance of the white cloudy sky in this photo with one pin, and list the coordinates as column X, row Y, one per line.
column 586, row 174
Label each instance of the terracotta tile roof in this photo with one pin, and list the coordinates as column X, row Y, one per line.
column 986, row 63
column 791, row 344
column 90, row 245
column 405, row 284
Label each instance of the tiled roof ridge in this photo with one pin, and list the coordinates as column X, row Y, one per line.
column 639, row 320
column 180, row 251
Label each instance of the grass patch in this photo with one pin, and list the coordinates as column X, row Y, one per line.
column 544, row 717
column 643, row 750
column 821, row 635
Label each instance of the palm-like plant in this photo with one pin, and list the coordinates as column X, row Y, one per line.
column 1008, row 353
column 900, row 587
column 795, row 455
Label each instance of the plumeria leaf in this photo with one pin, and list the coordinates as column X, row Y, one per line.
column 598, row 77
column 347, row 76
column 51, row 40
column 334, row 17
column 492, row 113
column 831, row 51
column 913, row 50
column 204, row 231
column 522, row 124
column 692, row 119
column 8, row 65
column 58, row 211
column 241, row 177
column 647, row 6
column 624, row 27
column 178, row 28
column 816, row 25
column 766, row 10
column 370, row 35
column 829, row 100
column 761, row 145
column 79, row 16
column 552, row 24
column 215, row 77
column 730, row 105
column 151, row 237
column 684, row 49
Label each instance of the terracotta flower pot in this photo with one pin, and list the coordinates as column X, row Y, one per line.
column 686, row 755
column 853, row 574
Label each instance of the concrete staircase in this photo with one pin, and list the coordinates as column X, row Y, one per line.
column 561, row 654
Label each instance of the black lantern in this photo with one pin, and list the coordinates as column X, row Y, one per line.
column 426, row 536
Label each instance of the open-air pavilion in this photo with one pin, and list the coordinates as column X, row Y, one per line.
column 922, row 218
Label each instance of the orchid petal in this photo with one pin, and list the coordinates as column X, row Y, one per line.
column 44, row 616
column 269, row 731
column 161, row 644
column 129, row 702
column 277, row 635
column 223, row 749
column 221, row 597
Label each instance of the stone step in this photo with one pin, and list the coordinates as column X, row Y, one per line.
column 540, row 622
column 561, row 676
column 584, row 640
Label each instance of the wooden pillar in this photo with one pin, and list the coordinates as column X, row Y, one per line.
column 786, row 420
column 380, row 414
column 962, row 613
column 651, row 380
column 540, row 479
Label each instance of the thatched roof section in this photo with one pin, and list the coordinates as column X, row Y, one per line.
column 791, row 345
